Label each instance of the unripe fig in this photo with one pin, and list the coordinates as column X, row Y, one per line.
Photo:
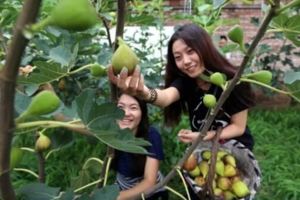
column 220, row 168
column 236, row 34
column 190, row 163
column 240, row 189
column 75, row 15
column 124, row 57
column 221, row 154
column 206, row 155
column 16, row 155
column 218, row 192
column 195, row 172
column 263, row 76
column 229, row 159
column 229, row 195
column 43, row 103
column 229, row 170
column 204, row 167
column 97, row 70
column 42, row 143
column 209, row 100
column 217, row 78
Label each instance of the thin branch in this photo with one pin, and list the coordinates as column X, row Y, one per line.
column 8, row 77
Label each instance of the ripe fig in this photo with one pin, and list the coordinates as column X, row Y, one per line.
column 217, row 78
column 236, row 34
column 43, row 103
column 204, row 167
column 200, row 181
column 42, row 143
column 75, row 15
column 223, row 183
column 16, row 155
column 209, row 100
column 218, row 192
column 240, row 189
column 263, row 76
column 190, row 163
column 124, row 57
column 195, row 172
column 97, row 70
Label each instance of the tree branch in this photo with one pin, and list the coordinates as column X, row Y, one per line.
column 8, row 78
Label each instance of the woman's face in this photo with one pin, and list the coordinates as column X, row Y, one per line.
column 187, row 59
column 133, row 113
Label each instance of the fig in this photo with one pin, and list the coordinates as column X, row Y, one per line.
column 263, row 76
column 236, row 34
column 195, row 172
column 229, row 170
column 124, row 57
column 229, row 195
column 190, row 163
column 221, row 154
column 217, row 78
column 218, row 192
column 206, row 155
column 240, row 189
column 209, row 100
column 200, row 181
column 42, row 143
column 220, row 168
column 97, row 70
column 75, row 15
column 223, row 183
column 43, row 103
column 229, row 159
column 16, row 155
column 204, row 167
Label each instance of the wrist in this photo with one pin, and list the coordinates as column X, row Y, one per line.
column 151, row 96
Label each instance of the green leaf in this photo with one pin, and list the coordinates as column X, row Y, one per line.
column 109, row 192
column 291, row 76
column 68, row 195
column 37, row 191
column 279, row 22
column 293, row 30
column 81, row 180
column 44, row 72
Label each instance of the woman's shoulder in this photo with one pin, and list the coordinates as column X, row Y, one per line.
column 153, row 132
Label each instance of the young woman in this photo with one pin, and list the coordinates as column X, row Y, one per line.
column 191, row 53
column 138, row 173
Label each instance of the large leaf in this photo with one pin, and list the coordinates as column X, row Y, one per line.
column 82, row 179
column 290, row 27
column 37, row 191
column 45, row 72
column 291, row 76
column 109, row 192
column 101, row 120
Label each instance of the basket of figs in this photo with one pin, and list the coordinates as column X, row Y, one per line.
column 236, row 174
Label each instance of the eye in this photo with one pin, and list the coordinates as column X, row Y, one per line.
column 177, row 57
column 190, row 51
column 134, row 108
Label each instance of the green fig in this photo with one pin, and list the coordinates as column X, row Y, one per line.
column 42, row 143
column 204, row 168
column 240, row 189
column 16, row 155
column 195, row 172
column 263, row 76
column 124, row 57
column 206, row 155
column 218, row 192
column 220, row 168
column 229, row 170
column 217, row 78
column 209, row 100
column 97, row 70
column 190, row 163
column 221, row 154
column 229, row 195
column 229, row 159
column 75, row 15
column 43, row 103
column 236, row 34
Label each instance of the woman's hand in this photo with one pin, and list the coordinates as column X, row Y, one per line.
column 187, row 136
column 133, row 85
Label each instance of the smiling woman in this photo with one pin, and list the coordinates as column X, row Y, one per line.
column 137, row 173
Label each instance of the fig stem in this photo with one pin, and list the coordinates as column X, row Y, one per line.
column 184, row 183
column 90, row 159
column 80, row 69
column 49, row 124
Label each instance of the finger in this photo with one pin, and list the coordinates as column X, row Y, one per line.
column 136, row 76
column 122, row 78
column 140, row 86
column 111, row 75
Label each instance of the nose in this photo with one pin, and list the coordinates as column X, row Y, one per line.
column 127, row 111
column 186, row 59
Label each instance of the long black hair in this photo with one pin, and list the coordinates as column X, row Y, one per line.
column 142, row 132
column 200, row 41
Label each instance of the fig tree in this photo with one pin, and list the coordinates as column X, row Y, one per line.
column 124, row 57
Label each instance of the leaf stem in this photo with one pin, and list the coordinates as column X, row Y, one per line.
column 49, row 124
column 287, row 6
column 27, row 171
column 183, row 181
column 87, row 185
column 90, row 159
column 79, row 69
column 175, row 192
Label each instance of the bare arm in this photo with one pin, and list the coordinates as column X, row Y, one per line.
column 134, row 85
column 234, row 129
column 150, row 176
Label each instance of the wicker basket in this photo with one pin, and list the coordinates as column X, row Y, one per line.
column 245, row 160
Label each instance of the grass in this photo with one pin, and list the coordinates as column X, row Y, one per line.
column 276, row 134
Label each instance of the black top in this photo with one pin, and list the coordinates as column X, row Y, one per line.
column 192, row 95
